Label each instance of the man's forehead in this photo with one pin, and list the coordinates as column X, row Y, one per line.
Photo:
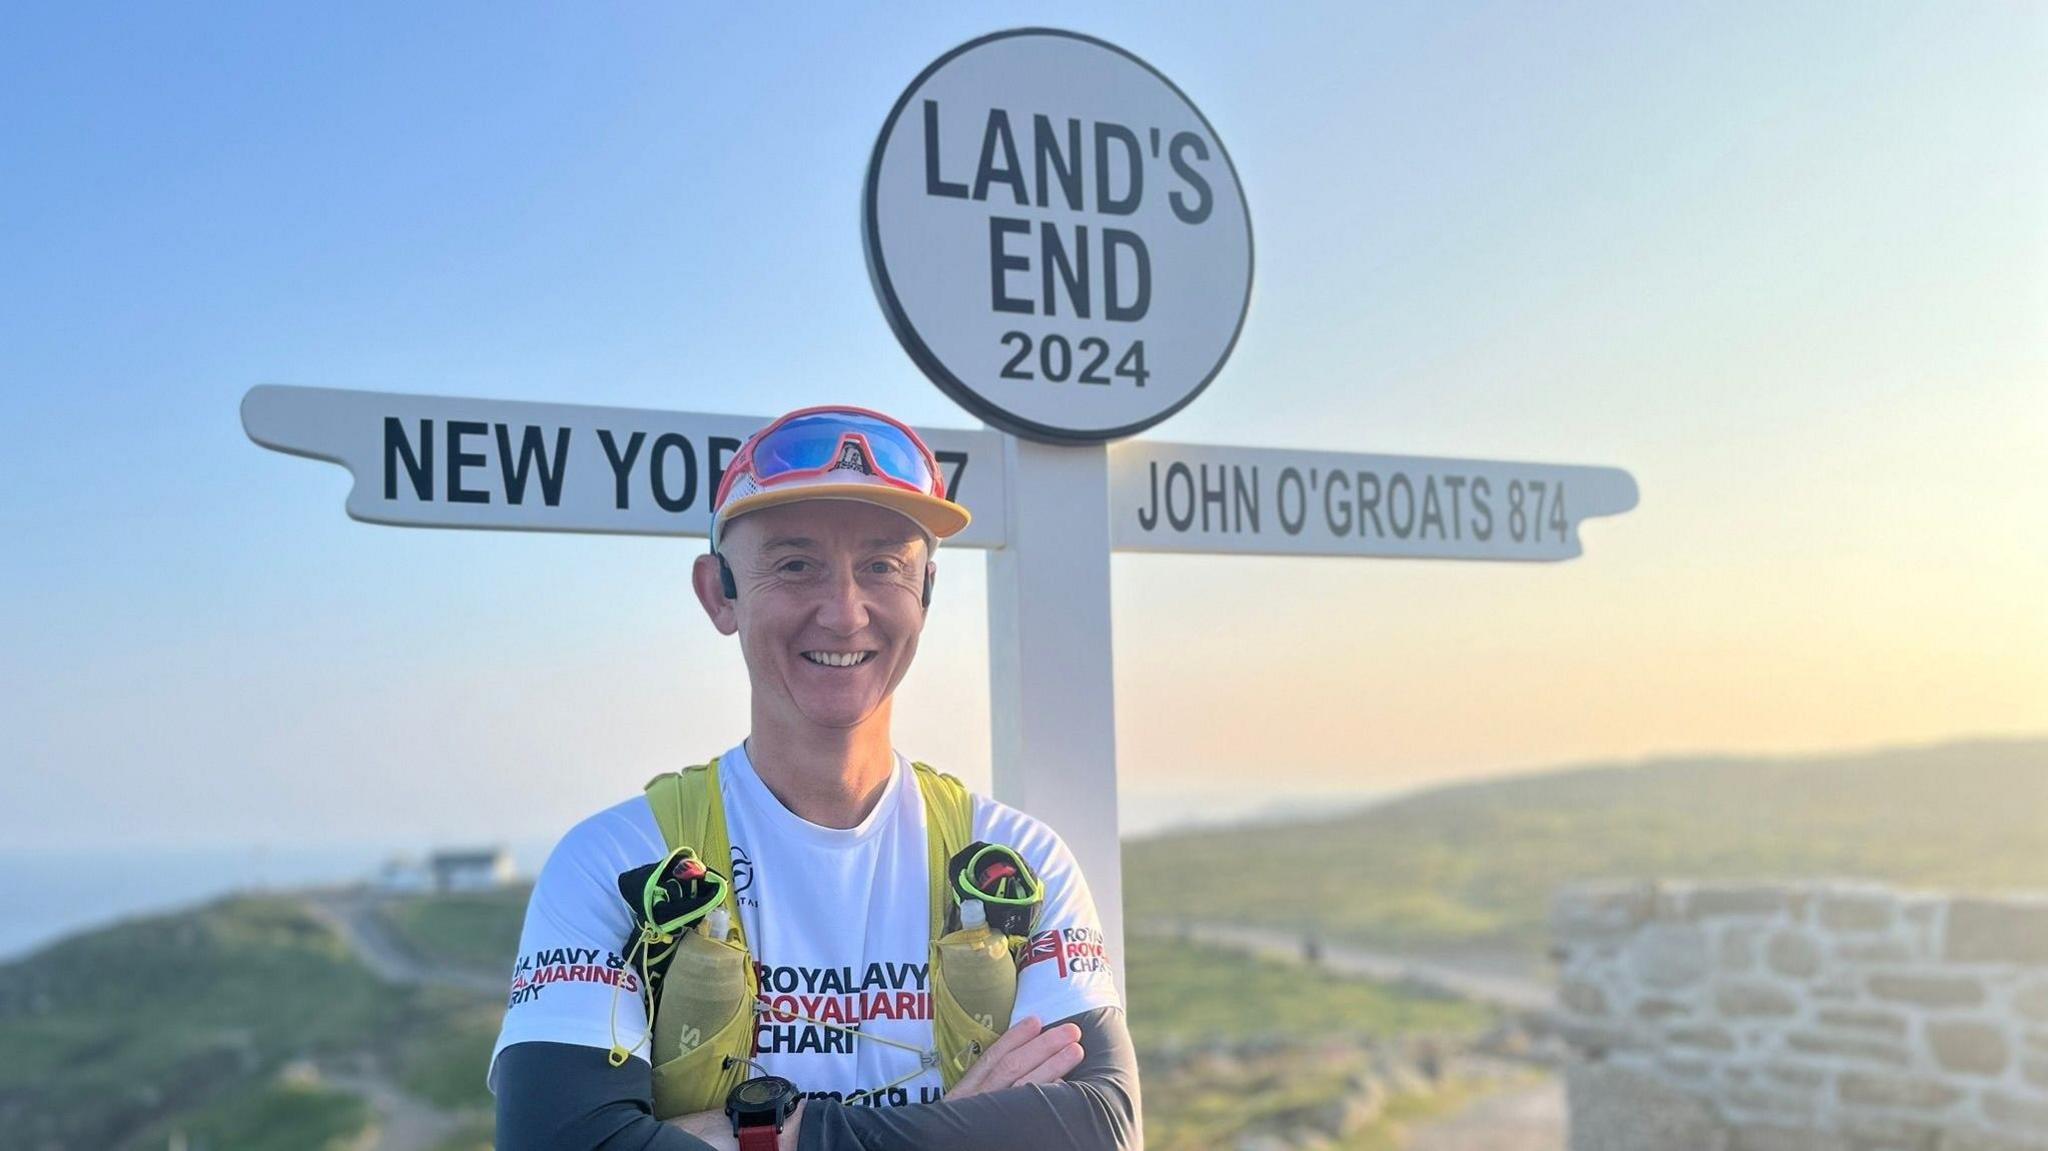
column 801, row 543
column 816, row 523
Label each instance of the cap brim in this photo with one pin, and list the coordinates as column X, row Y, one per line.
column 942, row 518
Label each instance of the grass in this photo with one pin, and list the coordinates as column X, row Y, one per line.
column 478, row 931
column 1475, row 866
column 182, row 1022
column 444, row 1064
column 1310, row 1029
column 475, row 1136
column 1215, row 1104
column 106, row 1032
column 280, row 1117
column 1183, row 993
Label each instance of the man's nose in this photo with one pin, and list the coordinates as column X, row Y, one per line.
column 845, row 605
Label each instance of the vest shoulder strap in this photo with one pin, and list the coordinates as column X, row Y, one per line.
column 948, row 828
column 688, row 807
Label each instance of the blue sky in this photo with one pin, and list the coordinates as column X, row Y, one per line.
column 1788, row 266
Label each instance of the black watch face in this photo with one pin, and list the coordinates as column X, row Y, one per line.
column 760, row 1093
column 761, row 1100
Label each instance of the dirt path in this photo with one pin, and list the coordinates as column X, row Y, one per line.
column 1530, row 1118
column 353, row 916
column 403, row 1122
column 1525, row 1119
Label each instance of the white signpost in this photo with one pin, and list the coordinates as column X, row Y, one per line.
column 1058, row 238
column 1263, row 501
column 448, row 462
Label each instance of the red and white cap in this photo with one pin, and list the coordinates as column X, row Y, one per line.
column 839, row 453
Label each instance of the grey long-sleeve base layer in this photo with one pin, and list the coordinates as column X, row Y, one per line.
column 563, row 1097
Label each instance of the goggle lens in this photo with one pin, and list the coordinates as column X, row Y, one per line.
column 811, row 443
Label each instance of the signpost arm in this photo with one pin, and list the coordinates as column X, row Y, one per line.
column 1050, row 667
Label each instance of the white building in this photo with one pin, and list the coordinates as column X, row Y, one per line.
column 471, row 870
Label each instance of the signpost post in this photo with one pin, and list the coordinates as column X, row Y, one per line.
column 1060, row 242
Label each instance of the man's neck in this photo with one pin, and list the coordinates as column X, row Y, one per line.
column 831, row 777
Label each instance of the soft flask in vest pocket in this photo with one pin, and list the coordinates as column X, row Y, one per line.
column 705, row 1014
column 974, row 991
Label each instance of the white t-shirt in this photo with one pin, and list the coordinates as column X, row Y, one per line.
column 838, row 920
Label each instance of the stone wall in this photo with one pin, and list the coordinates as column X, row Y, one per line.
column 1803, row 1018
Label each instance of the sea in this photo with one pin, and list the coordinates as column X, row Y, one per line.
column 46, row 895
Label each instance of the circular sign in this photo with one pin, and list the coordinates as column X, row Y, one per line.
column 1057, row 236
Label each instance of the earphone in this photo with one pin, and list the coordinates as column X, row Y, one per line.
column 731, row 587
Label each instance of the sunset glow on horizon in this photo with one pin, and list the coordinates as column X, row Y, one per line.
column 1790, row 270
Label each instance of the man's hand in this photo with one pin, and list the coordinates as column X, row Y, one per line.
column 710, row 1126
column 1027, row 1053
column 714, row 1128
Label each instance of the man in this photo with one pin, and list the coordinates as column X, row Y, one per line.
column 821, row 564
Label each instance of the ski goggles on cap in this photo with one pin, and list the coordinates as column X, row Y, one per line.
column 838, row 453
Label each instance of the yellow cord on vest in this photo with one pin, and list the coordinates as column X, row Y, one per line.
column 927, row 1057
column 653, row 932
column 619, row 1054
column 762, row 1008
column 890, row 1086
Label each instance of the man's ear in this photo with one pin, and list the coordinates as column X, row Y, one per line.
column 710, row 589
column 931, row 575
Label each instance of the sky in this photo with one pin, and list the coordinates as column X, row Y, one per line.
column 1786, row 264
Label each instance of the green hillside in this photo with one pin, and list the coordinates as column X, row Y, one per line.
column 1474, row 866
column 105, row 1035
column 1191, row 994
column 246, row 1025
column 243, row 1024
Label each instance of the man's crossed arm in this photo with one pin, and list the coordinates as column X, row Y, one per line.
column 1073, row 1086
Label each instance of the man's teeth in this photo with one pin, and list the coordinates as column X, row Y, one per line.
column 837, row 658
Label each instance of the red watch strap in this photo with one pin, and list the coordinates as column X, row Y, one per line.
column 762, row 1138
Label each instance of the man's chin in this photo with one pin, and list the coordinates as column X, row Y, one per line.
column 834, row 715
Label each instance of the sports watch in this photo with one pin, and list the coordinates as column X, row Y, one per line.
column 757, row 1108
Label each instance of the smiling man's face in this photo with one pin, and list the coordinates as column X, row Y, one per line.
column 829, row 607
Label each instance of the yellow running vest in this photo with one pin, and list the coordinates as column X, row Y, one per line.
column 704, row 1023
